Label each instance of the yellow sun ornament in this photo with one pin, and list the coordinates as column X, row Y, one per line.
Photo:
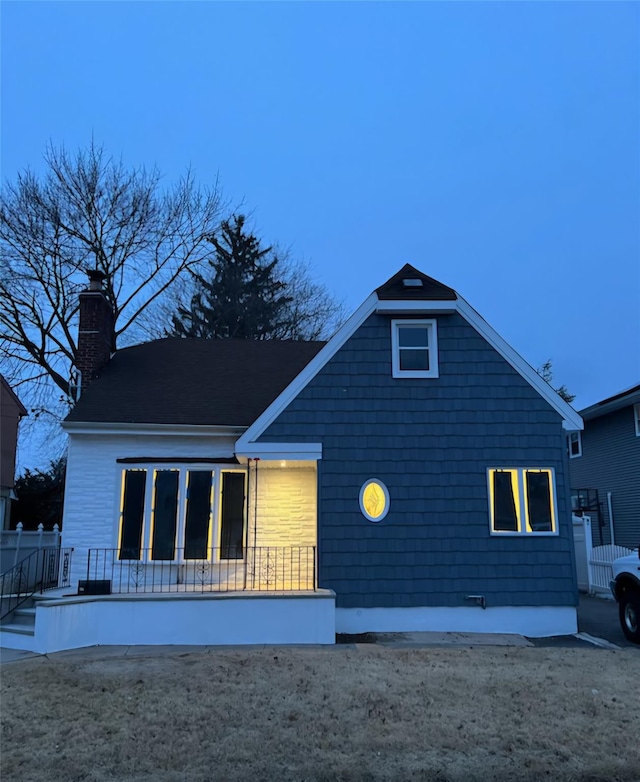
column 374, row 500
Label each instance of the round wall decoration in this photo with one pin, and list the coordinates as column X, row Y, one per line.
column 374, row 500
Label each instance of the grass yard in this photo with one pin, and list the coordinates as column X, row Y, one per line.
column 369, row 713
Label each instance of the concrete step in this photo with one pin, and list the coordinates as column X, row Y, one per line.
column 17, row 628
column 24, row 616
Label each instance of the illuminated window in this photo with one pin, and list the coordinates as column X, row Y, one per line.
column 522, row 502
column 636, row 415
column 176, row 514
column 374, row 500
column 575, row 444
column 414, row 347
column 132, row 513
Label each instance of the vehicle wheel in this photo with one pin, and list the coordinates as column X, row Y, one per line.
column 630, row 615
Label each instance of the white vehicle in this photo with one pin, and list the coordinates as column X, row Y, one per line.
column 626, row 590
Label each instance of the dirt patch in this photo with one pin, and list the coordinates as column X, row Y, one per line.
column 356, row 638
column 344, row 714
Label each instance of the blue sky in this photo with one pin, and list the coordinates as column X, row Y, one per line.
column 493, row 145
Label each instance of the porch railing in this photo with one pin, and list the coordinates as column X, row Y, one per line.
column 45, row 569
column 261, row 568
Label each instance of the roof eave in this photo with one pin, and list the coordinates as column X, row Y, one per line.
column 618, row 402
column 103, row 427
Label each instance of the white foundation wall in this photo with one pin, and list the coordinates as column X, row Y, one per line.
column 287, row 507
column 531, row 621
column 295, row 618
column 93, row 483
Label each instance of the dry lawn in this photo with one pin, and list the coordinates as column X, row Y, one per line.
column 306, row 714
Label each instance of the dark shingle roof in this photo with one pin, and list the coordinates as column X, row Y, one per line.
column 430, row 289
column 226, row 382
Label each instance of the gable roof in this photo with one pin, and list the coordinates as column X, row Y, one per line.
column 420, row 287
column 622, row 399
column 11, row 394
column 226, row 382
column 444, row 300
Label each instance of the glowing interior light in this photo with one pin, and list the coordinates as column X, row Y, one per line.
column 374, row 500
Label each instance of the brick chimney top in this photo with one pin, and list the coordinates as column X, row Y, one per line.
column 96, row 278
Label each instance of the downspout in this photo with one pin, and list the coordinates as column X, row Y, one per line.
column 610, row 509
column 246, row 529
column 255, row 521
column 255, row 506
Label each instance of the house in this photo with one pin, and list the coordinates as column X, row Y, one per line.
column 604, row 468
column 11, row 411
column 409, row 474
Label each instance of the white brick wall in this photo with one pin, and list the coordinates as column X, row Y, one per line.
column 92, row 492
column 286, row 507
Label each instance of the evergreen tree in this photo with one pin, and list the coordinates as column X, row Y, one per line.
column 249, row 294
column 546, row 373
column 40, row 497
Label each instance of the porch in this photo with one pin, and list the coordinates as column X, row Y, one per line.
column 221, row 570
column 261, row 595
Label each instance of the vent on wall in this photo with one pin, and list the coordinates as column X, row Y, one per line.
column 411, row 283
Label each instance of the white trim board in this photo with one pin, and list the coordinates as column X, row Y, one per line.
column 291, row 452
column 103, row 427
column 571, row 420
column 531, row 621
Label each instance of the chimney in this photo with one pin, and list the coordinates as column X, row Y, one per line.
column 95, row 332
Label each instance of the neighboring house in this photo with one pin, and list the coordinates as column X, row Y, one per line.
column 11, row 411
column 604, row 465
column 409, row 474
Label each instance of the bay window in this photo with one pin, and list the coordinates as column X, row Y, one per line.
column 178, row 513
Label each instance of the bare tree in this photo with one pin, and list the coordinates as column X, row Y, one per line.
column 89, row 211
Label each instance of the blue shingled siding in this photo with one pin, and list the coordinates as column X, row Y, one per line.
column 431, row 442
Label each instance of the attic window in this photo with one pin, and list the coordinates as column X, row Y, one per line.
column 412, row 283
column 414, row 347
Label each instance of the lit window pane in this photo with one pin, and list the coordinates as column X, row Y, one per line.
column 505, row 518
column 196, row 532
column 413, row 337
column 165, row 515
column 232, row 516
column 539, row 501
column 132, row 514
column 414, row 359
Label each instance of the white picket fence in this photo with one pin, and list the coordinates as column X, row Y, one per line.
column 594, row 563
column 19, row 543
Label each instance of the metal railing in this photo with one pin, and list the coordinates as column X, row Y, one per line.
column 45, row 569
column 261, row 568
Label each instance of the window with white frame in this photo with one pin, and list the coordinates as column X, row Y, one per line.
column 414, row 346
column 522, row 501
column 575, row 444
column 636, row 415
column 180, row 513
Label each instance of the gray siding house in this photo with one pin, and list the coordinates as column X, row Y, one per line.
column 409, row 474
column 604, row 465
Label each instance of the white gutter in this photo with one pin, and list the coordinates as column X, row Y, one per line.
column 102, row 427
